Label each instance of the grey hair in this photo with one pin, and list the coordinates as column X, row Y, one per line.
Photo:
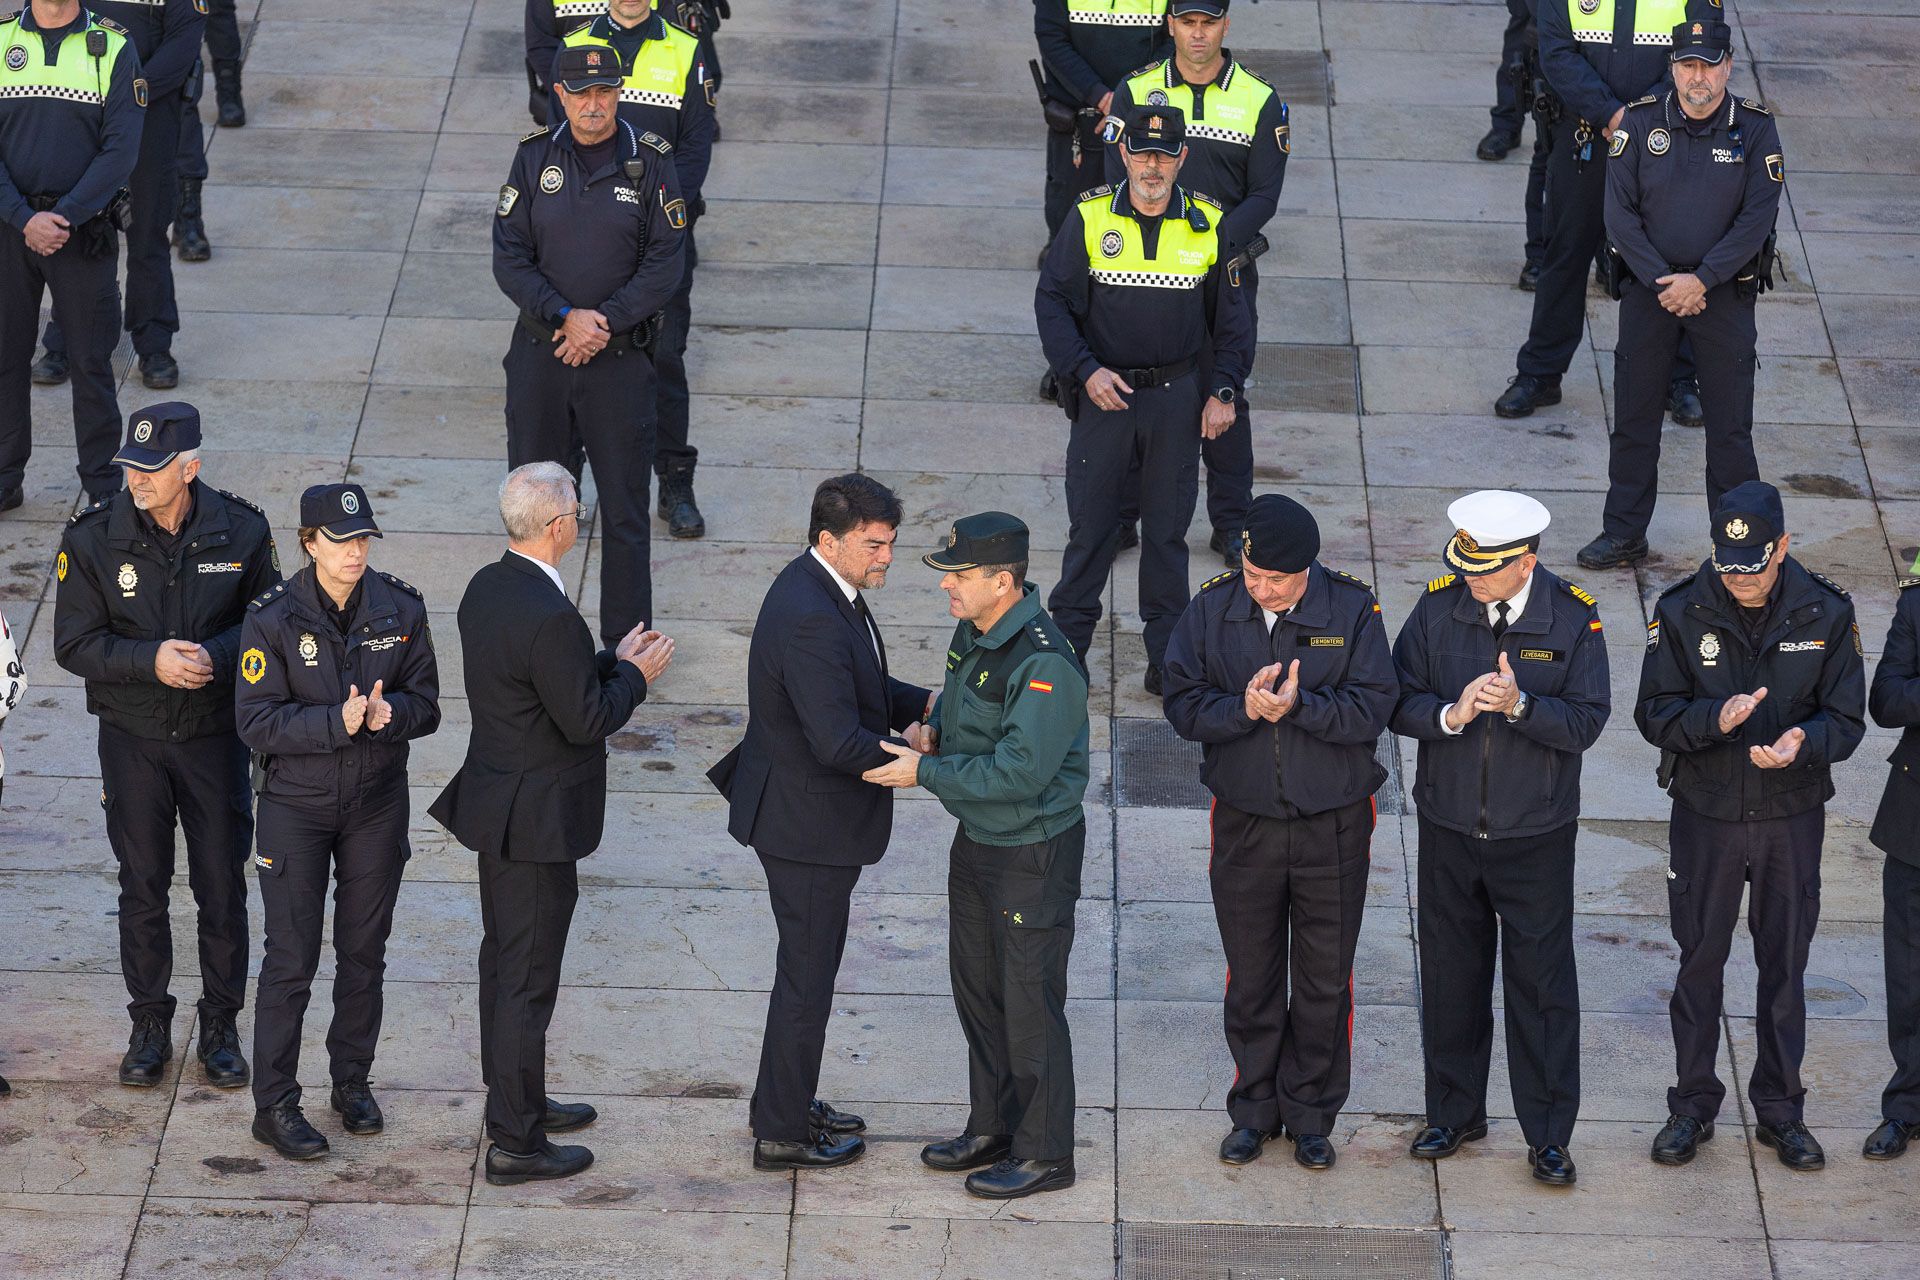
column 531, row 496
column 187, row 455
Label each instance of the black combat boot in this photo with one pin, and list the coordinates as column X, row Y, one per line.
column 189, row 230
column 226, row 91
column 677, row 506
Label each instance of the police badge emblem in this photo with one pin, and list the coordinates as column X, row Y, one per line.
column 1736, row 529
column 128, row 580
column 1776, row 168
column 551, row 178
column 1157, row 99
column 309, row 649
column 1111, row 244
column 142, row 431
column 350, row 503
column 1588, row 6
column 253, row 666
column 1710, row 650
column 508, row 198
column 953, row 536
column 1620, row 140
column 1465, row 541
column 1658, row 141
column 16, row 57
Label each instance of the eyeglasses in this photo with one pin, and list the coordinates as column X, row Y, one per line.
column 578, row 513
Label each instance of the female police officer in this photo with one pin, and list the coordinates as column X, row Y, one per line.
column 336, row 675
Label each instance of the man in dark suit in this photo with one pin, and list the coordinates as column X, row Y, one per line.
column 530, row 799
column 1895, row 704
column 820, row 701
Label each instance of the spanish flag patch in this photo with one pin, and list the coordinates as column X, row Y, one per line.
column 1039, row 686
column 1594, row 625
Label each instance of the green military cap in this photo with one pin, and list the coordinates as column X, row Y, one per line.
column 992, row 537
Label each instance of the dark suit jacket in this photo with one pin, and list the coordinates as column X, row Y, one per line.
column 1895, row 704
column 818, row 703
column 533, row 787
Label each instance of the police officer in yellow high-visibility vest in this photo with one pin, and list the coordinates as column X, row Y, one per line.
column 669, row 91
column 70, row 113
column 1086, row 48
column 1143, row 320
column 546, row 22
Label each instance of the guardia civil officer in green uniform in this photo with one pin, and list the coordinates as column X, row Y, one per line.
column 1142, row 316
column 1238, row 138
column 71, row 102
column 1005, row 750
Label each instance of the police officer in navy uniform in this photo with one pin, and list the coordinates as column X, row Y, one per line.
column 223, row 42
column 588, row 243
column 167, row 38
column 152, row 588
column 1894, row 702
column 337, row 676
column 1503, row 680
column 670, row 90
column 70, row 107
column 1238, row 139
column 1282, row 672
column 1693, row 187
column 1596, row 56
column 1142, row 316
column 1753, row 688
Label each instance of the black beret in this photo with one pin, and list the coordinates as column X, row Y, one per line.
column 1281, row 536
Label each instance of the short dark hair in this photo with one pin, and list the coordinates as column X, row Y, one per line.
column 1018, row 568
column 844, row 503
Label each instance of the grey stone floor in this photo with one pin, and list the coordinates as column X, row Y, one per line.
column 864, row 301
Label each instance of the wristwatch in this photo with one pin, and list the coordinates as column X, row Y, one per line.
column 1520, row 709
column 1224, row 395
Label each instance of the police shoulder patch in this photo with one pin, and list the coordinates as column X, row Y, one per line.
column 267, row 597
column 1751, row 105
column 139, row 91
column 1619, row 144
column 1580, row 594
column 407, row 587
column 1829, row 584
column 537, row 133
column 1096, row 193
column 1441, row 584
column 1216, row 580
column 234, row 497
column 657, row 142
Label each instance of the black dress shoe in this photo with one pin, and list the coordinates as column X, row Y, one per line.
column 160, row 371
column 1889, row 1141
column 1552, row 1165
column 1311, row 1150
column 1525, row 393
column 1049, row 387
column 819, row 1151
column 1496, row 144
column 284, row 1127
column 1609, row 552
column 508, row 1169
column 1680, row 1138
column 1129, row 535
column 359, row 1113
column 5, row 1088
column 1228, row 545
column 1437, row 1141
column 149, row 1049
column 1797, row 1148
column 822, row 1115
column 968, row 1151
column 1154, row 681
column 1683, row 403
column 11, row 498
column 1243, row 1146
column 50, row 370
column 1010, row 1179
column 219, row 1052
column 565, row 1117
column 1529, row 278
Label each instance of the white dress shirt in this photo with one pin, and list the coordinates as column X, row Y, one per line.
column 848, row 590
column 545, row 568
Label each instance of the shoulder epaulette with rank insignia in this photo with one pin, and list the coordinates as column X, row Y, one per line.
column 1751, row 105
column 657, row 142
column 1215, row 581
column 111, row 25
column 1344, row 576
column 1649, row 100
column 1206, row 199
column 1096, row 193
column 1441, row 584
column 537, row 133
column 1580, row 594
column 407, row 587
column 1829, row 584
column 268, row 596
column 1251, row 74
column 242, row 501
column 84, row 512
column 1684, row 582
column 1140, row 71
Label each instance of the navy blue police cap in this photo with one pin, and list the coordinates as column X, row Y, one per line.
column 1747, row 524
column 340, row 511
column 580, row 67
column 1212, row 8
column 1703, row 41
column 157, row 434
column 1148, row 128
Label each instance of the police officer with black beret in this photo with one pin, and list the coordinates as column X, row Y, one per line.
column 1753, row 688
column 1693, row 187
column 588, row 243
column 1894, row 702
column 152, row 586
column 1142, row 316
column 1503, row 679
column 337, row 676
column 1282, row 672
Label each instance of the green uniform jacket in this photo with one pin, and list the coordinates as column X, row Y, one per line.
column 1013, row 730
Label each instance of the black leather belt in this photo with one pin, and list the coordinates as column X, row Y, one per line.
column 1141, row 379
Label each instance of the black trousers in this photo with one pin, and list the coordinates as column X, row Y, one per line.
column 153, row 314
column 671, row 451
column 146, row 787
column 1710, row 863
column 363, row 851
column 1288, row 894
column 608, row 404
column 811, row 903
column 1066, row 180
column 86, row 302
column 1009, row 937
column 1900, row 882
column 1510, row 107
column 1157, row 434
column 1536, row 199
column 1723, row 345
column 525, row 911
column 1519, row 891
column 1576, row 197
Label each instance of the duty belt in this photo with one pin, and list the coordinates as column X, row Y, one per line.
column 1160, row 376
column 43, row 204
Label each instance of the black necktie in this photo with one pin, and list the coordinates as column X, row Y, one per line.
column 1500, row 619
column 873, row 630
